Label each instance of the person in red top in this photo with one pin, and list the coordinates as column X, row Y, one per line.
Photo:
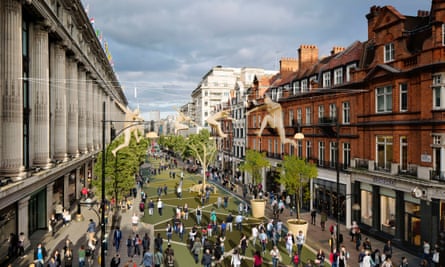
column 84, row 192
column 257, row 259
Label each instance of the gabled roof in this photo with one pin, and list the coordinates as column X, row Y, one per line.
column 380, row 67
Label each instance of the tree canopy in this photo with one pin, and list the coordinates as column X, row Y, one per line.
column 254, row 162
column 296, row 173
column 120, row 170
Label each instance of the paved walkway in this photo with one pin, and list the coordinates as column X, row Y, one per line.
column 317, row 238
column 76, row 232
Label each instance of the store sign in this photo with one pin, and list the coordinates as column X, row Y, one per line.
column 385, row 181
column 425, row 158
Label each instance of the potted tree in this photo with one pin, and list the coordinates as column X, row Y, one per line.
column 296, row 173
column 254, row 163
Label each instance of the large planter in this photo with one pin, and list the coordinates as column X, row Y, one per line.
column 295, row 226
column 258, row 207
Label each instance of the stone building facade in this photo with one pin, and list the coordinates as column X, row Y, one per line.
column 56, row 83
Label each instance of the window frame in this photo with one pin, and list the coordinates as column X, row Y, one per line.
column 403, row 91
column 384, row 93
column 346, row 106
column 389, row 53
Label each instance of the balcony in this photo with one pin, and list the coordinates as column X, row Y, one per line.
column 274, row 155
column 437, row 175
column 330, row 164
column 411, row 170
column 327, row 120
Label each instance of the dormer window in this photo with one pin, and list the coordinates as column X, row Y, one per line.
column 326, row 79
column 338, row 76
column 296, row 87
column 389, row 52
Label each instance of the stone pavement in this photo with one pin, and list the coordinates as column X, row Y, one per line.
column 76, row 232
column 316, row 238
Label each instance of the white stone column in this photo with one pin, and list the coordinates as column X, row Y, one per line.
column 72, row 101
column 11, row 102
column 23, row 220
column 96, row 117
column 66, row 183
column 78, row 183
column 58, row 101
column 89, row 113
column 39, row 94
column 82, row 111
column 49, row 200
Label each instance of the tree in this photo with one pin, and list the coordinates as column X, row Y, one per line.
column 120, row 171
column 254, row 163
column 203, row 148
column 296, row 173
column 175, row 143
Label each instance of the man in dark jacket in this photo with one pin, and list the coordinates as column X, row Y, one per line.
column 40, row 255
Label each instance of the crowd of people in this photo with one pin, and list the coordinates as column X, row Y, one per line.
column 207, row 241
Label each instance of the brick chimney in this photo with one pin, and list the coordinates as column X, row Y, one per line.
column 307, row 55
column 288, row 65
column 337, row 49
column 372, row 16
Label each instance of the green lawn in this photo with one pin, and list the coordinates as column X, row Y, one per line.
column 171, row 201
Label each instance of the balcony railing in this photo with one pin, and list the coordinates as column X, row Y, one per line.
column 362, row 164
column 331, row 164
column 327, row 120
column 274, row 155
column 437, row 175
column 382, row 166
column 411, row 170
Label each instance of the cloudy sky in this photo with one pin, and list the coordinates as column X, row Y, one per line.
column 163, row 48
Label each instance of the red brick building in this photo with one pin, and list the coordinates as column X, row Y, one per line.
column 381, row 103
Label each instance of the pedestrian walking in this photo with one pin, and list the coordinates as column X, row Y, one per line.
column 300, row 241
column 206, row 260
column 147, row 260
column 160, row 206
column 196, row 249
column 198, row 215
column 289, row 243
column 257, row 259
column 115, row 261
column 158, row 242
column 313, row 216
column 276, row 256
column 235, row 261
column 151, row 207
column 158, row 258
column 117, row 236
column 129, row 246
column 145, row 243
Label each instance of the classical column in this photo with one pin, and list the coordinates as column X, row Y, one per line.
column 66, row 183
column 49, row 200
column 39, row 93
column 23, row 220
column 72, row 101
column 58, row 101
column 82, row 111
column 78, row 181
column 96, row 117
column 89, row 113
column 11, row 102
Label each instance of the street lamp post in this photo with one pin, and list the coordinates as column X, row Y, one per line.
column 299, row 136
column 337, row 169
column 103, row 199
column 102, row 203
